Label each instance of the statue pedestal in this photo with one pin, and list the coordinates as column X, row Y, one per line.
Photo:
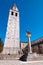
column 32, row 56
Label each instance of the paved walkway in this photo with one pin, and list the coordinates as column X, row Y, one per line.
column 17, row 62
column 35, row 61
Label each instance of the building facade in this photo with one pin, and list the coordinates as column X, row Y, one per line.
column 37, row 45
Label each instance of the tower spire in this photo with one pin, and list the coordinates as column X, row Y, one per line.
column 14, row 7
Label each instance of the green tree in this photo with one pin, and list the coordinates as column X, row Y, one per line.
column 1, row 45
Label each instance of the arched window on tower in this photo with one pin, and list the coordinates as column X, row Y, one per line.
column 12, row 13
column 15, row 14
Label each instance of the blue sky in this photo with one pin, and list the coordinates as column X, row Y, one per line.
column 31, row 17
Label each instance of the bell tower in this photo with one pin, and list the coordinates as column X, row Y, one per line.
column 12, row 40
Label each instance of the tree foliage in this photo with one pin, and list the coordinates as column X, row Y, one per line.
column 1, row 45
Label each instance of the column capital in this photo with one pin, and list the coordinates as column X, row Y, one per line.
column 28, row 34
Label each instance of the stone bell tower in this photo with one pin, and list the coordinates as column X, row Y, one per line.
column 12, row 41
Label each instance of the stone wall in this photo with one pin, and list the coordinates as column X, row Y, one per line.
column 10, row 50
column 38, row 48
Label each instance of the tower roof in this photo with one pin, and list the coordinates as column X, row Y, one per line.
column 14, row 7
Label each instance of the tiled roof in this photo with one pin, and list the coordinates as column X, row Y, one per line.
column 37, row 41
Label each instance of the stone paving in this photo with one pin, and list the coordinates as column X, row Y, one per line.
column 34, row 61
column 17, row 62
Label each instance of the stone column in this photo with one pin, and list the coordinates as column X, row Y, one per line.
column 29, row 43
column 28, row 34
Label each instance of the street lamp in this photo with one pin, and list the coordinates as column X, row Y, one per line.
column 28, row 34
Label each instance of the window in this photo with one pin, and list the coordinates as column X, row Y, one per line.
column 15, row 14
column 12, row 13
